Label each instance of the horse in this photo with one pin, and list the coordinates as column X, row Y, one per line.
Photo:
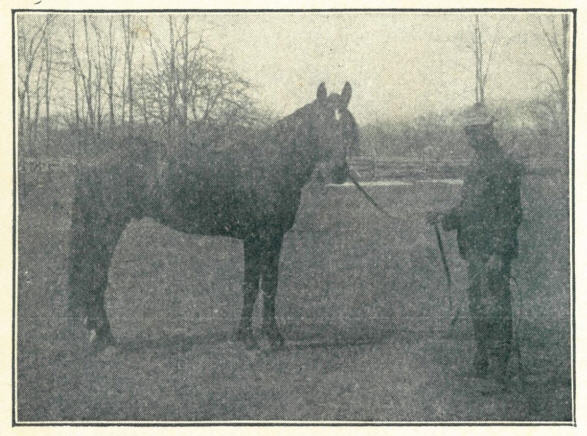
column 248, row 189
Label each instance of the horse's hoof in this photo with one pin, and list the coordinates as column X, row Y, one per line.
column 276, row 340
column 101, row 341
column 108, row 353
column 278, row 345
column 246, row 337
column 250, row 343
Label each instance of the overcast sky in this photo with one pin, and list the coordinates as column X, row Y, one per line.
column 400, row 64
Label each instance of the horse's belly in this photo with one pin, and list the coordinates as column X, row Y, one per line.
column 206, row 216
column 233, row 205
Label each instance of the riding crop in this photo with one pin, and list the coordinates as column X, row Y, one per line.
column 447, row 273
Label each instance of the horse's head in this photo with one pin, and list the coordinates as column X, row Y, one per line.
column 336, row 131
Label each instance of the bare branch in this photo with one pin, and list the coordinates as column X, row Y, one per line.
column 495, row 38
column 552, row 43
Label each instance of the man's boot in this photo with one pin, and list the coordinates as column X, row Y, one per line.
column 480, row 363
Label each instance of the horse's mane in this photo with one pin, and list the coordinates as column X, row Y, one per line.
column 246, row 142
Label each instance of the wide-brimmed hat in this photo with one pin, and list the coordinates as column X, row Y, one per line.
column 476, row 115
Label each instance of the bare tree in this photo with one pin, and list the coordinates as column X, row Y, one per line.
column 143, row 92
column 482, row 63
column 171, row 80
column 185, row 85
column 151, row 81
column 88, row 61
column 48, row 55
column 98, row 73
column 111, row 59
column 129, row 34
column 87, row 76
column 557, row 37
column 85, row 72
column 30, row 40
column 34, row 123
column 74, row 61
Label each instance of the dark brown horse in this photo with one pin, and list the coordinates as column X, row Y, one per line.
column 249, row 188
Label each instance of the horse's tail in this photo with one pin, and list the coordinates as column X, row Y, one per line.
column 77, row 290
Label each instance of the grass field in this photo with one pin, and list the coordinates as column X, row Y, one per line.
column 362, row 302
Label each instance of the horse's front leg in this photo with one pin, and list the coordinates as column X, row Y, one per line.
column 252, row 256
column 270, row 274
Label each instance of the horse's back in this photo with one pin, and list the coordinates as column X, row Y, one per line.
column 231, row 188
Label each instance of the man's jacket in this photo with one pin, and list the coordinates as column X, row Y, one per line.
column 490, row 211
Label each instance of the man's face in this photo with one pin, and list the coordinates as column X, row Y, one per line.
column 479, row 135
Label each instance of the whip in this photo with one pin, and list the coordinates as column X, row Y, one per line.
column 444, row 264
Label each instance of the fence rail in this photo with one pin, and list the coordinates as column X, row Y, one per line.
column 370, row 168
column 35, row 172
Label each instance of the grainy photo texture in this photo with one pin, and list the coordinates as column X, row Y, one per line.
column 293, row 216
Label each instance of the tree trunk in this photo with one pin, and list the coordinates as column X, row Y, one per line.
column 185, row 78
column 128, row 32
column 111, row 59
column 565, row 77
column 75, row 76
column 88, row 80
column 47, row 91
column 479, row 79
column 171, row 110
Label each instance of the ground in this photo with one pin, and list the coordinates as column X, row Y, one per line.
column 362, row 302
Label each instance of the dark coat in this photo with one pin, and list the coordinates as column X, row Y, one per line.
column 490, row 211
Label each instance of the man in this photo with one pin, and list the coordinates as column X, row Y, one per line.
column 486, row 221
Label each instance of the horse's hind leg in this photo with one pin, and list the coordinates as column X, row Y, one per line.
column 269, row 282
column 93, row 245
column 252, row 253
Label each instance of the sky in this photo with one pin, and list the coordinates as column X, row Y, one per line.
column 400, row 64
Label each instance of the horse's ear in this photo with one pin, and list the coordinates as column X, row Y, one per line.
column 346, row 94
column 321, row 94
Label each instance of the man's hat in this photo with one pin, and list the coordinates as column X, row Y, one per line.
column 477, row 115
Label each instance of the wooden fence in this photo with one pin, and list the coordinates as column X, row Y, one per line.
column 34, row 172
column 369, row 168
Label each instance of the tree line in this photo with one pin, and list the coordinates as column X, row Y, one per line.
column 83, row 77
column 113, row 75
column 526, row 129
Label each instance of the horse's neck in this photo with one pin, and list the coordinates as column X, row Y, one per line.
column 299, row 156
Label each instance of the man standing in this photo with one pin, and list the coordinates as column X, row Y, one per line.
column 486, row 221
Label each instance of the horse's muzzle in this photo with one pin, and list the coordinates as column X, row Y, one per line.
column 340, row 173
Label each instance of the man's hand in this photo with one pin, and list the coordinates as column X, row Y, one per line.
column 495, row 262
column 433, row 217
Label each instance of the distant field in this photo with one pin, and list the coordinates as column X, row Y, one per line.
column 361, row 301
